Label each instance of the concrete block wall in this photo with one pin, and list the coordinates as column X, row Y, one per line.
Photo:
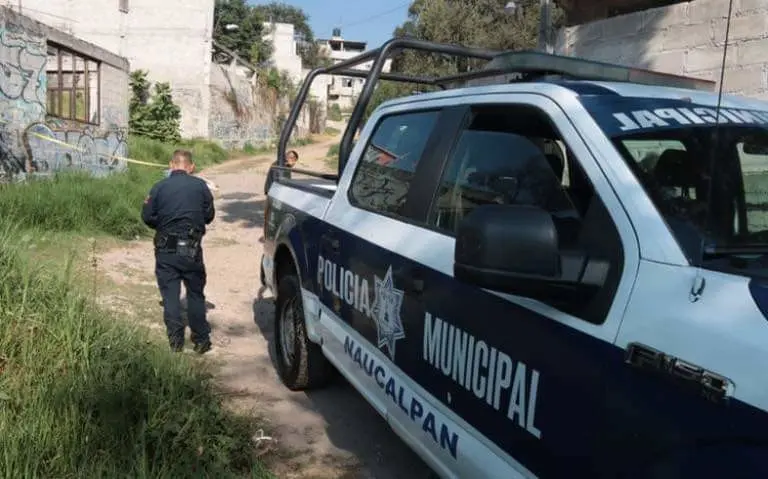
column 684, row 39
column 33, row 142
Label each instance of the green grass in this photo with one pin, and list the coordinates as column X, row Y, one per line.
column 250, row 150
column 77, row 202
column 83, row 395
column 332, row 157
column 330, row 131
column 334, row 113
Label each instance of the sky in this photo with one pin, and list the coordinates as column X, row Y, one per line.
column 371, row 21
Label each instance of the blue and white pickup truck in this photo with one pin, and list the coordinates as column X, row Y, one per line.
column 561, row 274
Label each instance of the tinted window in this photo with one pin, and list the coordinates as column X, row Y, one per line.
column 385, row 171
column 488, row 167
column 513, row 155
column 706, row 181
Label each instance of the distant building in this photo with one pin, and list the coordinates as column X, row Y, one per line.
column 342, row 90
column 285, row 49
column 171, row 39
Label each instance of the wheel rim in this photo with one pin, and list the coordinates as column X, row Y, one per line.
column 288, row 330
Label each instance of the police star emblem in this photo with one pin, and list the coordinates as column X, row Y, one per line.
column 386, row 312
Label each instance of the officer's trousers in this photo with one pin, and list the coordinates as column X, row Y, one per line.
column 171, row 269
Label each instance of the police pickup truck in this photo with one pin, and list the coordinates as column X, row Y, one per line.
column 556, row 268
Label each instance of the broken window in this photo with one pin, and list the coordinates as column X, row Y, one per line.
column 73, row 85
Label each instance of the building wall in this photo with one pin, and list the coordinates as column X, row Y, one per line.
column 685, row 39
column 244, row 112
column 284, row 49
column 342, row 90
column 171, row 39
column 31, row 140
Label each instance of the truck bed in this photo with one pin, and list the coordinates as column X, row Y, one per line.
column 317, row 186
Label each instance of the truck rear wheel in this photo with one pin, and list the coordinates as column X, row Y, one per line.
column 300, row 362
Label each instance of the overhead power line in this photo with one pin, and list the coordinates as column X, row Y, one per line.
column 376, row 16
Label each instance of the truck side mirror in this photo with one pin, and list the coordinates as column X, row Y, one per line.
column 514, row 249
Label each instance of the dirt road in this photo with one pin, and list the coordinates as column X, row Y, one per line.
column 331, row 433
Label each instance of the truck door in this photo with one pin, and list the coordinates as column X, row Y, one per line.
column 493, row 384
column 532, row 376
column 360, row 279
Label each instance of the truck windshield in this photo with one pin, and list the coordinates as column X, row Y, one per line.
column 709, row 183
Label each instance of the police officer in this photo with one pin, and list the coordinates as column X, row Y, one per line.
column 178, row 208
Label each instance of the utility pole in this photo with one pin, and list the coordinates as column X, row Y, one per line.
column 545, row 26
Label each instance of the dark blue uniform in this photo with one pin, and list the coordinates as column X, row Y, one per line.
column 178, row 208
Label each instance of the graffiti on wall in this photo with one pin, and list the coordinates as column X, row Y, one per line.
column 59, row 149
column 22, row 94
column 22, row 72
column 28, row 144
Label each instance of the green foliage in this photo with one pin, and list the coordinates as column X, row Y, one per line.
column 249, row 149
column 334, row 112
column 84, row 395
column 278, row 81
column 156, row 115
column 78, row 202
column 246, row 40
column 479, row 23
column 333, row 151
column 332, row 156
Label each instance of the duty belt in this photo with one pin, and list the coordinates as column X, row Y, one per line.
column 187, row 244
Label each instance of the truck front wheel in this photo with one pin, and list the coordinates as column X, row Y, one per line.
column 300, row 362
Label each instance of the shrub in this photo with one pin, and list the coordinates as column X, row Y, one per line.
column 153, row 115
column 334, row 112
column 333, row 151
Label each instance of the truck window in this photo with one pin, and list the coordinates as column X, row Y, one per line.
column 388, row 164
column 514, row 155
column 701, row 213
column 754, row 167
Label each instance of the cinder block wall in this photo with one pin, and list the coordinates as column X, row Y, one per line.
column 685, row 39
column 31, row 140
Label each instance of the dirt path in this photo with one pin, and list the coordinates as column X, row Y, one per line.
column 331, row 433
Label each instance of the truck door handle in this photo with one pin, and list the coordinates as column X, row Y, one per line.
column 332, row 242
column 411, row 281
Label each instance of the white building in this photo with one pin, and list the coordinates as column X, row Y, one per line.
column 342, row 90
column 285, row 49
column 171, row 39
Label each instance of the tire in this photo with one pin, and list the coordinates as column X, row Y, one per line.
column 300, row 363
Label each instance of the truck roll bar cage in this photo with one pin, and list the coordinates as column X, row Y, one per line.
column 523, row 65
column 372, row 76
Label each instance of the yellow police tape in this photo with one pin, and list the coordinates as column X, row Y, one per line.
column 211, row 185
column 73, row 147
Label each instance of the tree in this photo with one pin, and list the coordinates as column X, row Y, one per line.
column 153, row 115
column 478, row 23
column 247, row 38
column 279, row 12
